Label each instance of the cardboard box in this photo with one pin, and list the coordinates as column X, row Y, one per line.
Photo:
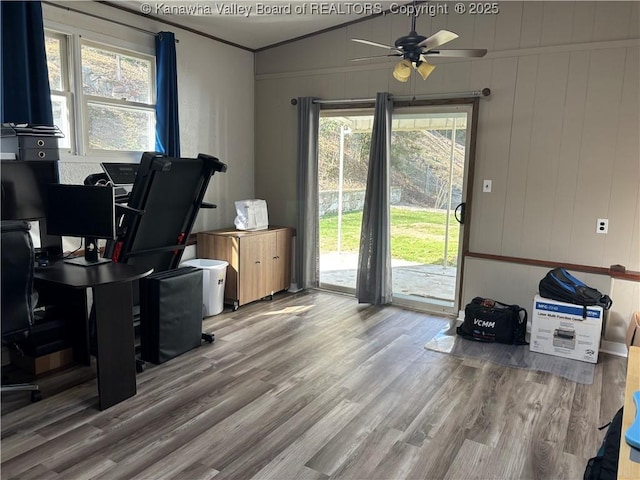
column 44, row 363
column 633, row 332
column 557, row 328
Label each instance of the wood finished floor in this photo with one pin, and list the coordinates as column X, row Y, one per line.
column 314, row 386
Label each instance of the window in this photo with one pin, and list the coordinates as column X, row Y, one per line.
column 113, row 95
column 61, row 97
column 117, row 99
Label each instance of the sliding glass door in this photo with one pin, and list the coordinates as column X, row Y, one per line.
column 429, row 164
column 344, row 142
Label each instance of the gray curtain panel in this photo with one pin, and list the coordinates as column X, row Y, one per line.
column 374, row 263
column 307, row 248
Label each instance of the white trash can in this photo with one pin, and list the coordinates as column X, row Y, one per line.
column 214, row 273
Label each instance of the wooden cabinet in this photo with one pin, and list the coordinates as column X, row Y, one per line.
column 259, row 261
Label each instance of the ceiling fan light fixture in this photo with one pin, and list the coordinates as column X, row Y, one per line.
column 424, row 69
column 402, row 71
column 414, row 49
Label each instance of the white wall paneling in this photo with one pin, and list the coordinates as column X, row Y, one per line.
column 508, row 26
column 557, row 19
column 571, row 137
column 495, row 146
column 544, row 145
column 519, row 154
column 597, row 154
column 611, row 18
column 624, row 242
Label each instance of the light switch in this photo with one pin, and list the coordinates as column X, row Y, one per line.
column 486, row 186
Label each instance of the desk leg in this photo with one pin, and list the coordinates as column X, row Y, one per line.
column 81, row 328
column 116, row 361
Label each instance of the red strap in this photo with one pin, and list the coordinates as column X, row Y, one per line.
column 116, row 252
column 180, row 241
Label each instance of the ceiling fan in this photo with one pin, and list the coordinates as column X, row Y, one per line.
column 414, row 50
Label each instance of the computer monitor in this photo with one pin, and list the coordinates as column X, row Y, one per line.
column 24, row 188
column 120, row 174
column 82, row 211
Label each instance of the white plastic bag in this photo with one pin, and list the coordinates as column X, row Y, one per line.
column 252, row 215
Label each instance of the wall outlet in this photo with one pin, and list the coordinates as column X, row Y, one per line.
column 486, row 186
column 602, row 225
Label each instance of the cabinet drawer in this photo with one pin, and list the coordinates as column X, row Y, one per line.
column 37, row 142
column 30, row 154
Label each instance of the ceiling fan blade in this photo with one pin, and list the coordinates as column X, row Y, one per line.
column 437, row 39
column 376, row 56
column 471, row 52
column 375, row 44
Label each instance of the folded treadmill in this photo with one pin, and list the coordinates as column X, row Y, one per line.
column 154, row 227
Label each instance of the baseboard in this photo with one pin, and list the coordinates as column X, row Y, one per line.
column 613, row 348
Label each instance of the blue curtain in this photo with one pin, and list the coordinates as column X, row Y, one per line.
column 26, row 96
column 167, row 126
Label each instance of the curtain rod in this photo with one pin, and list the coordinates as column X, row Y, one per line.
column 93, row 15
column 485, row 92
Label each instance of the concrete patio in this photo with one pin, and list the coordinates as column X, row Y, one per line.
column 411, row 279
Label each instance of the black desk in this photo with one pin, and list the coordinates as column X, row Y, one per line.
column 113, row 301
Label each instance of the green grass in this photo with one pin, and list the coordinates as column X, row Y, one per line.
column 416, row 235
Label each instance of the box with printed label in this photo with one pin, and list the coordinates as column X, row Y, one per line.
column 560, row 329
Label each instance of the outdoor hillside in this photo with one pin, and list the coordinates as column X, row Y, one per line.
column 420, row 162
column 110, row 127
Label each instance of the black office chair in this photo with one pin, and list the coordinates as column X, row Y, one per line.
column 17, row 291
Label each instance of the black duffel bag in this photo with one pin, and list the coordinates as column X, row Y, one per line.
column 487, row 320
